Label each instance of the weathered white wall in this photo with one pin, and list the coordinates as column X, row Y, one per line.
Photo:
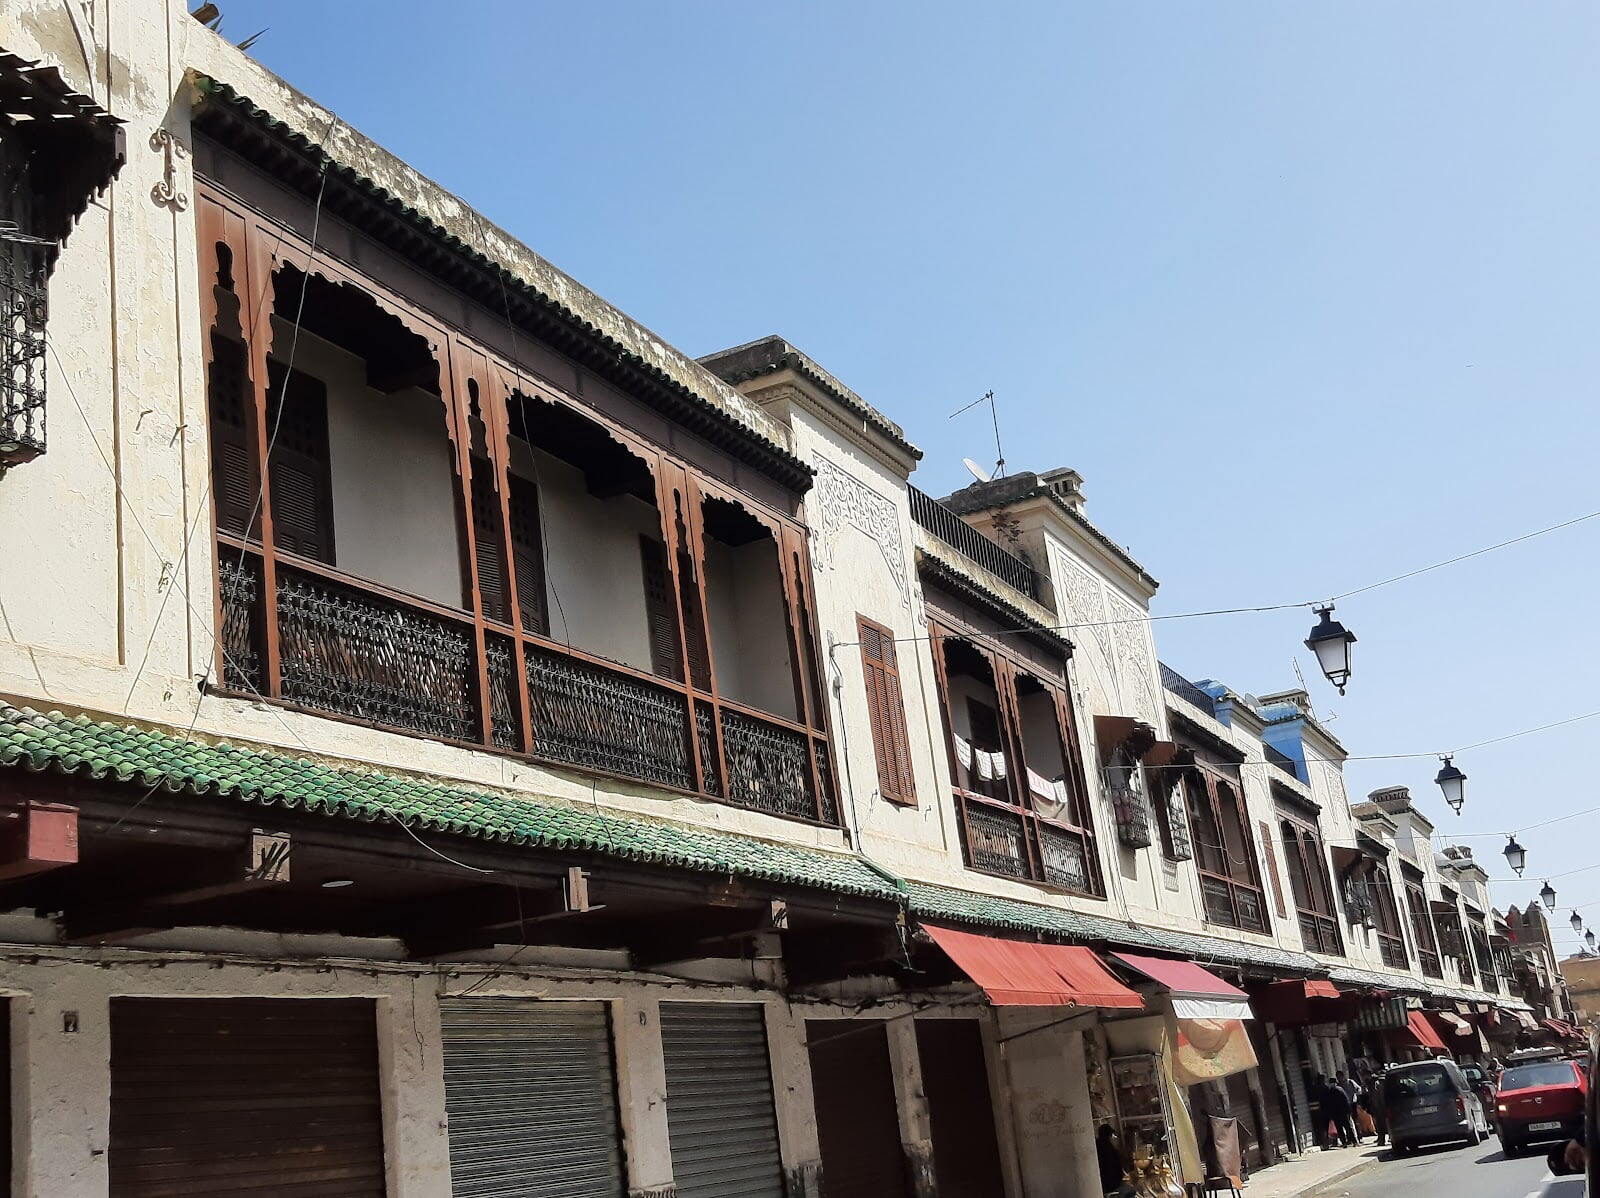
column 1052, row 1119
column 749, row 626
column 594, row 574
column 394, row 482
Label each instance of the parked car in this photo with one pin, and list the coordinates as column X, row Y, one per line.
column 1483, row 1086
column 1540, row 1100
column 1431, row 1102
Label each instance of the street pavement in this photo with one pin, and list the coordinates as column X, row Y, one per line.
column 1481, row 1172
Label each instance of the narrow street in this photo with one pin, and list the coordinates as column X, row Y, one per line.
column 1481, row 1172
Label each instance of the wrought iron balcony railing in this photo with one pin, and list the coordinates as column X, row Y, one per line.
column 972, row 544
column 354, row 650
column 999, row 840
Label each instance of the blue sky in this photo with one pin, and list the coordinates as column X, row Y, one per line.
column 1307, row 291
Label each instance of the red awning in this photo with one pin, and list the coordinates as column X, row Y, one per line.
column 1016, row 973
column 1564, row 1030
column 1197, row 993
column 1289, row 1003
column 1417, row 1023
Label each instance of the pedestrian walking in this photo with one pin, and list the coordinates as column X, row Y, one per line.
column 1336, row 1106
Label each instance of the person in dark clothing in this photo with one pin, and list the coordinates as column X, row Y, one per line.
column 1372, row 1103
column 1336, row 1109
column 1319, row 1113
column 1109, row 1152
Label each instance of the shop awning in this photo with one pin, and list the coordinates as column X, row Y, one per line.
column 1197, row 993
column 1017, row 973
column 1525, row 1019
column 1565, row 1030
column 1456, row 1025
column 1289, row 1003
column 1422, row 1031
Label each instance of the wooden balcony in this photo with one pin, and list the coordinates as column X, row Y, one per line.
column 348, row 648
column 1393, row 951
column 1320, row 934
column 997, row 839
column 1232, row 904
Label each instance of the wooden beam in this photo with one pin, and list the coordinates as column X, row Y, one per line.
column 36, row 837
column 264, row 864
column 731, row 938
column 483, row 917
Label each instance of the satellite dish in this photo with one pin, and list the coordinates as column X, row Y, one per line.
column 978, row 472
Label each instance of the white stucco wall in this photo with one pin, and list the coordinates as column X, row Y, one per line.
column 749, row 625
column 394, row 481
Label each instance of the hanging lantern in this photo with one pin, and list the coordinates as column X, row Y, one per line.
column 1577, row 921
column 1547, row 896
column 1516, row 856
column 1331, row 642
column 1588, row 938
column 1454, row 784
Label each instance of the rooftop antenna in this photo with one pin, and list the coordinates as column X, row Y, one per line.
column 994, row 417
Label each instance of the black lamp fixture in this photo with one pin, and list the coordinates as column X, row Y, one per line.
column 1453, row 782
column 1588, row 938
column 1577, row 921
column 1516, row 856
column 1331, row 642
column 1547, row 896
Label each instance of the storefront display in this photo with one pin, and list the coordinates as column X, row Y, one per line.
column 1142, row 1111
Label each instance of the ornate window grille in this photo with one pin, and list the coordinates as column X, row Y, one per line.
column 56, row 149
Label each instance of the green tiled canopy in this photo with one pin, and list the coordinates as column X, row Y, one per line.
column 149, row 758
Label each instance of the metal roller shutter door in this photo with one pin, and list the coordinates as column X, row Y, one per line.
column 213, row 1097
column 955, row 1079
column 720, row 1119
column 857, row 1122
column 1294, row 1073
column 531, row 1095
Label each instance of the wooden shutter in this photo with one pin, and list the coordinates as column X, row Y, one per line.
column 234, row 478
column 886, row 711
column 1272, row 870
column 661, row 615
column 302, row 486
column 212, row 1097
column 527, row 555
column 488, row 543
column 694, row 623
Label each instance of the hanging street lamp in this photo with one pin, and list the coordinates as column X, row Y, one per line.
column 1547, row 896
column 1331, row 642
column 1577, row 921
column 1516, row 856
column 1588, row 938
column 1454, row 784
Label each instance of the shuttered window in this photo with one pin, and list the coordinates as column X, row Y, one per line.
column 694, row 622
column 488, row 544
column 215, row 1097
column 720, row 1120
column 1272, row 870
column 858, row 1127
column 234, row 484
column 886, row 709
column 531, row 1096
column 302, row 486
column 527, row 550
column 661, row 614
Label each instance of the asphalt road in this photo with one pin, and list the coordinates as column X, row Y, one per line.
column 1481, row 1172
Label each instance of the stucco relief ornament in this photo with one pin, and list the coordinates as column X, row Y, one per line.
column 166, row 192
column 845, row 501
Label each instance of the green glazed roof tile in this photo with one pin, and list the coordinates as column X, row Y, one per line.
column 964, row 906
column 171, row 762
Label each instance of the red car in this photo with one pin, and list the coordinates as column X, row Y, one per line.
column 1541, row 1100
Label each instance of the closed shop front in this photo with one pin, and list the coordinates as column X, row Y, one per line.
column 720, row 1119
column 1276, row 1132
column 531, row 1094
column 857, row 1122
column 955, row 1080
column 214, row 1097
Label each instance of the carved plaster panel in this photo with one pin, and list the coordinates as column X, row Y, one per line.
column 844, row 501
